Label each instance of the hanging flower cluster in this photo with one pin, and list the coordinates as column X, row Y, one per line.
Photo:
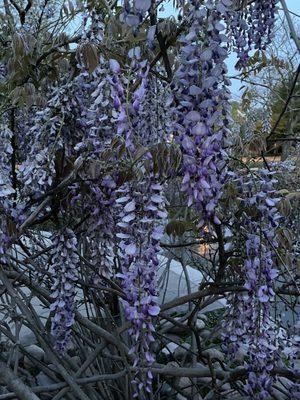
column 6, row 189
column 154, row 119
column 121, row 105
column 98, row 115
column 130, row 113
column 96, row 91
column 91, row 88
column 249, row 323
column 54, row 128
column 5, row 163
column 64, row 270
column 96, row 201
column 102, row 230
column 202, row 108
column 141, row 207
column 252, row 27
column 267, row 120
column 69, row 122
column 250, row 124
column 141, row 68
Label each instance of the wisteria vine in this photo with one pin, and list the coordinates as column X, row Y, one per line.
column 139, row 244
column 202, row 109
column 252, row 27
column 249, row 324
column 114, row 113
column 64, row 269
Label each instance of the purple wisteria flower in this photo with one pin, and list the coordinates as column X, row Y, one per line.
column 121, row 106
column 6, row 189
column 252, row 27
column 54, row 128
column 141, row 208
column 102, row 230
column 6, row 150
column 249, row 321
column 130, row 114
column 202, row 111
column 64, row 270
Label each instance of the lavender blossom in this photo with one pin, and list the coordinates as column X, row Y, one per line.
column 103, row 228
column 252, row 27
column 6, row 189
column 64, row 264
column 140, row 209
column 201, row 116
column 54, row 129
column 249, row 321
column 129, row 114
column 5, row 168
